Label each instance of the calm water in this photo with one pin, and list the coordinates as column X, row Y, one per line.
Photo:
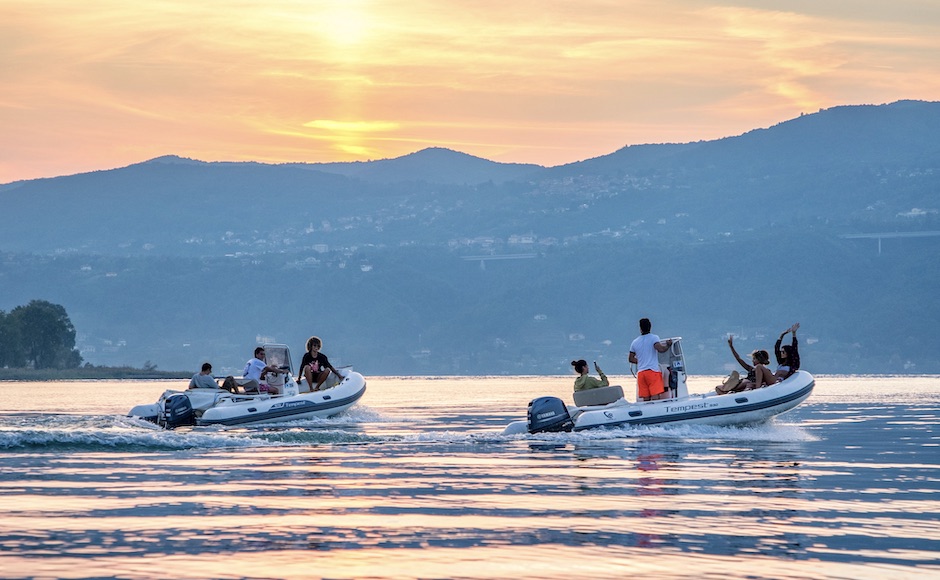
column 418, row 481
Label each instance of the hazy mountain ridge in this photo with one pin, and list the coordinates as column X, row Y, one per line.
column 431, row 165
column 817, row 166
column 902, row 132
column 173, row 259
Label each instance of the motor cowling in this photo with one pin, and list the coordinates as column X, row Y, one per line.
column 548, row 415
column 178, row 411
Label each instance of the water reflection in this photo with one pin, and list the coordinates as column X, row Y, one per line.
column 406, row 491
column 723, row 494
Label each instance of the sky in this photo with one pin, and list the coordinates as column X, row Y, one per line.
column 100, row 84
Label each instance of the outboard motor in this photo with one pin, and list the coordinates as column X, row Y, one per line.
column 178, row 410
column 548, row 415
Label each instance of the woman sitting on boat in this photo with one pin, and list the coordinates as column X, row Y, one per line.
column 585, row 381
column 758, row 373
column 788, row 357
column 763, row 376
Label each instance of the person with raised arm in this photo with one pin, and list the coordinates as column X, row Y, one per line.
column 585, row 381
column 788, row 356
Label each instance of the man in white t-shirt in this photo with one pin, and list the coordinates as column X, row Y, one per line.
column 643, row 349
column 256, row 370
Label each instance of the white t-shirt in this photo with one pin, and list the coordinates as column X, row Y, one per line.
column 646, row 355
column 253, row 369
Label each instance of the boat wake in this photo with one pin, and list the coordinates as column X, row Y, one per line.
column 58, row 433
column 52, row 433
column 772, row 432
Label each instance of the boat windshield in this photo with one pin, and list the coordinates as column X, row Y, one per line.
column 673, row 364
column 277, row 355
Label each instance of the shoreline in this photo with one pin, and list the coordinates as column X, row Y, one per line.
column 96, row 373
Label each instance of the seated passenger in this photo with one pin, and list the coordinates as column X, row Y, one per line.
column 734, row 383
column 315, row 366
column 763, row 376
column 203, row 379
column 788, row 357
column 758, row 374
column 255, row 371
column 586, row 381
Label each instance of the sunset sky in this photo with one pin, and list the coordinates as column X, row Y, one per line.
column 99, row 84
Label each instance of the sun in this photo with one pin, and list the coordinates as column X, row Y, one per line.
column 345, row 23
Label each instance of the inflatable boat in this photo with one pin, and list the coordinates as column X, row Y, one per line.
column 208, row 406
column 607, row 406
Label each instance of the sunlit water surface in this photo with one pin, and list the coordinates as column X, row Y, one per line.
column 418, row 481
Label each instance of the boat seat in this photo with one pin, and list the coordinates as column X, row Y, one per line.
column 599, row 396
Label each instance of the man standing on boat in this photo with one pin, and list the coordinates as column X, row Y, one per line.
column 643, row 349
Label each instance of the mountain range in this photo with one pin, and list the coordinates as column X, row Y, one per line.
column 442, row 262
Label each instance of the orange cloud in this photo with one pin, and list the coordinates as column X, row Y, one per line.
column 105, row 83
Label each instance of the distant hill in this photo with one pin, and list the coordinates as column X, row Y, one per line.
column 855, row 167
column 900, row 133
column 432, row 165
column 441, row 262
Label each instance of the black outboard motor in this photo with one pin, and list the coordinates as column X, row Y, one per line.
column 548, row 415
column 178, row 411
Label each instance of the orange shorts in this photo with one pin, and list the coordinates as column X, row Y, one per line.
column 650, row 383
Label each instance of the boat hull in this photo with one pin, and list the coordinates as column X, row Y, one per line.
column 245, row 410
column 748, row 407
column 745, row 408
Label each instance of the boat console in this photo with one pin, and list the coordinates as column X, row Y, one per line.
column 672, row 365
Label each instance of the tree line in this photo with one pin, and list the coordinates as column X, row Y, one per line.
column 38, row 335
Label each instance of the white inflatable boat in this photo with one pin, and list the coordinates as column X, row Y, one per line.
column 220, row 407
column 607, row 406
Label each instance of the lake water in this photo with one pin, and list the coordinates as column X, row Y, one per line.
column 419, row 482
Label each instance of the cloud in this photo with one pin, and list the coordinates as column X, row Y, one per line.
column 352, row 126
column 111, row 82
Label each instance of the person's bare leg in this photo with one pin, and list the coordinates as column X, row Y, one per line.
column 321, row 378
column 230, row 385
